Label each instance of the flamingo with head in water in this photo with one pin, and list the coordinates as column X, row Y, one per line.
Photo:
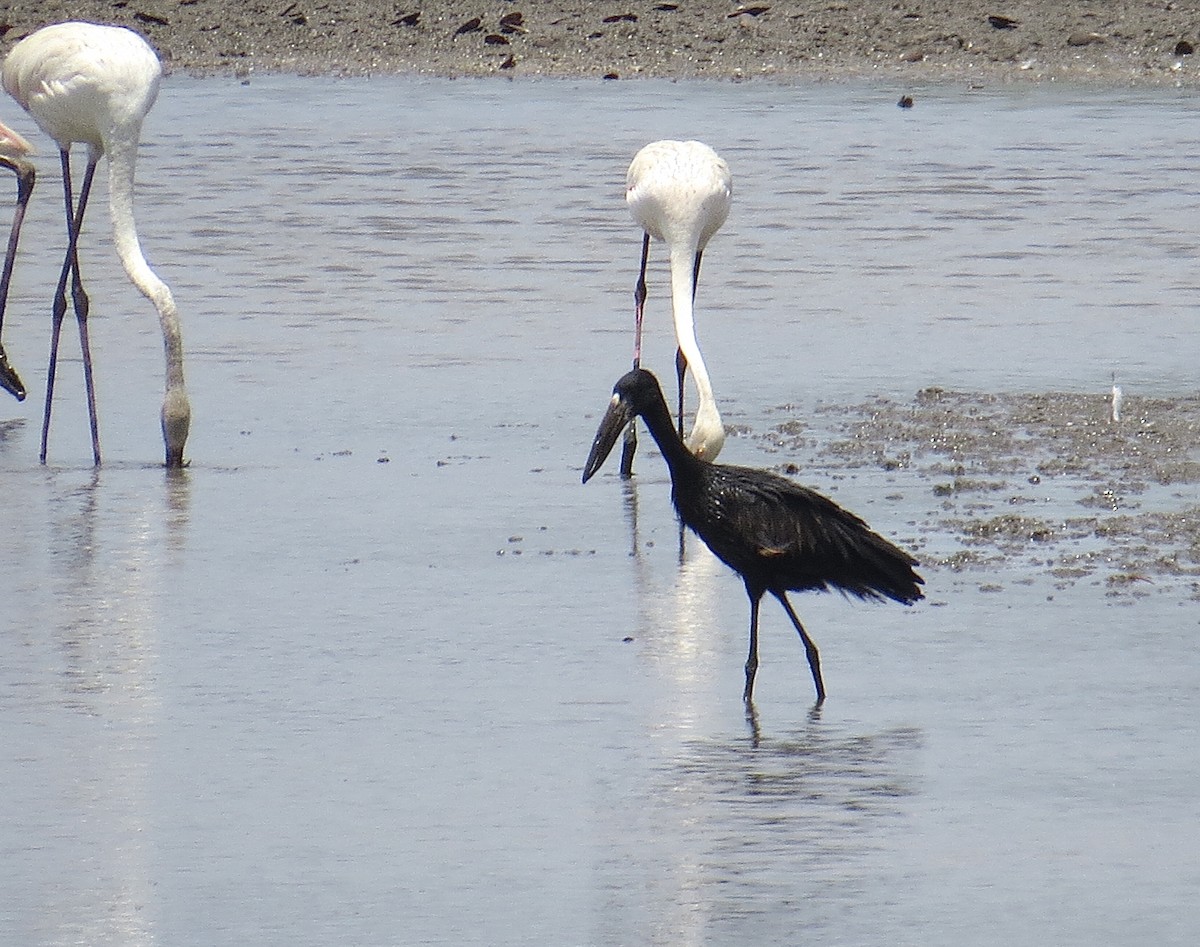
column 14, row 155
column 680, row 192
column 93, row 85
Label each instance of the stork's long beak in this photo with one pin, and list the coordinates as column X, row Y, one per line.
column 615, row 420
column 10, row 381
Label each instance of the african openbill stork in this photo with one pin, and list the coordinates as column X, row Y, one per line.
column 777, row 535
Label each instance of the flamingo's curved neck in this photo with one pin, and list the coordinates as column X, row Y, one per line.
column 708, row 433
column 683, row 287
column 176, row 409
column 121, row 162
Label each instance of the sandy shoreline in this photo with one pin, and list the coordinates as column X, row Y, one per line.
column 912, row 41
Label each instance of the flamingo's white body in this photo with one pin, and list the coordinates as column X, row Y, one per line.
column 94, row 85
column 680, row 192
column 14, row 155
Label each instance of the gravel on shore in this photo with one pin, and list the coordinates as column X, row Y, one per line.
column 1115, row 42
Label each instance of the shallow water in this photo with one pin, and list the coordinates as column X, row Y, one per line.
column 360, row 673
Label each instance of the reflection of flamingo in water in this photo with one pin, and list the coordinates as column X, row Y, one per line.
column 776, row 534
column 679, row 192
column 94, row 85
column 14, row 152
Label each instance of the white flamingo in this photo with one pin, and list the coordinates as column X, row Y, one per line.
column 94, row 85
column 680, row 192
column 14, row 155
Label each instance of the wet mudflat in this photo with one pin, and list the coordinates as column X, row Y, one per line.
column 361, row 672
column 1054, row 481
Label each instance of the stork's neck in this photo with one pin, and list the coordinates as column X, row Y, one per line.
column 680, row 460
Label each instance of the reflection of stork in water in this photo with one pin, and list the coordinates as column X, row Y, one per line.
column 94, row 85
column 776, row 534
column 14, row 152
column 680, row 193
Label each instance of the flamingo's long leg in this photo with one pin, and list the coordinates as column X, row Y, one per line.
column 70, row 271
column 26, row 176
column 629, row 447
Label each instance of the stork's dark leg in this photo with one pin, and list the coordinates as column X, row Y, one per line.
column 629, row 447
column 752, row 658
column 70, row 270
column 814, row 658
column 26, row 175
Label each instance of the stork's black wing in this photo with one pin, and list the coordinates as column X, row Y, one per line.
column 783, row 536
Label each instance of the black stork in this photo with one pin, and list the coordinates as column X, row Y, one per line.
column 777, row 535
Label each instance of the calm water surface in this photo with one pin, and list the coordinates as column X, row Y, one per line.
column 359, row 675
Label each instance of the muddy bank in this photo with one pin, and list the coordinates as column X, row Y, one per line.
column 1050, row 481
column 911, row 41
